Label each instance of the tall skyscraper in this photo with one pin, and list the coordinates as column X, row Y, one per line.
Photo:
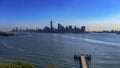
column 51, row 24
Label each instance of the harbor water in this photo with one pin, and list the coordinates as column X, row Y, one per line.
column 42, row 49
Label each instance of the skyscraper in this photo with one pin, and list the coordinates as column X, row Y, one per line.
column 60, row 28
column 51, row 25
column 83, row 29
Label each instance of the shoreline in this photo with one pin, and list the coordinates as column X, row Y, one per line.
column 6, row 34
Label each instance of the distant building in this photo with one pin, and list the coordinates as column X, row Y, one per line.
column 51, row 27
column 46, row 29
column 51, row 24
column 70, row 29
column 82, row 29
column 60, row 28
column 75, row 29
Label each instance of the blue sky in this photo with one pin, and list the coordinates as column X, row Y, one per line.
column 99, row 14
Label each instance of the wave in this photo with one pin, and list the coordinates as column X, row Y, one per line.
column 20, row 49
column 6, row 45
column 55, row 34
column 29, row 35
column 94, row 41
column 11, row 47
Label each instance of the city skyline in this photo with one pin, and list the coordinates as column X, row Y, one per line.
column 96, row 15
column 51, row 29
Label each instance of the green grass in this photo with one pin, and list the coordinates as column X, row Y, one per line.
column 16, row 64
column 21, row 64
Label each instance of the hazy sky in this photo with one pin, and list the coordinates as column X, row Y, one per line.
column 95, row 14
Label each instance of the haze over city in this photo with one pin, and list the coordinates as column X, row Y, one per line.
column 94, row 14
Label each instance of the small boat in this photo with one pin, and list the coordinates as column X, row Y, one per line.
column 77, row 56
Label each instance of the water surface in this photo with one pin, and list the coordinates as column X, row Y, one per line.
column 42, row 49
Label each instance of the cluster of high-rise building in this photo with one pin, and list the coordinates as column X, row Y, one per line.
column 50, row 29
